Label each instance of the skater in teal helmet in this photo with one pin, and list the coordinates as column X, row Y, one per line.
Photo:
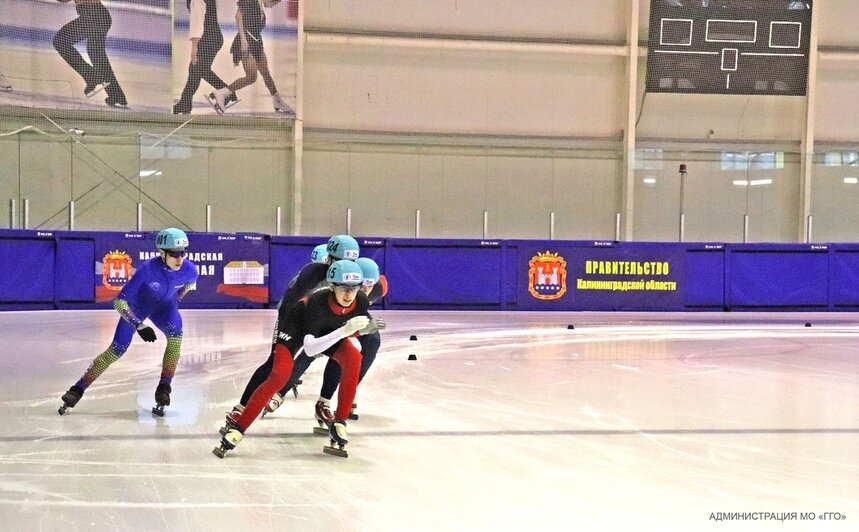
column 320, row 323
column 310, row 278
column 153, row 292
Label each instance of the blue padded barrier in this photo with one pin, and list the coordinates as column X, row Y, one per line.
column 69, row 270
column 27, row 268
column 778, row 275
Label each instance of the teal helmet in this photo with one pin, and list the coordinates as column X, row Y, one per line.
column 345, row 272
column 171, row 238
column 369, row 270
column 343, row 247
column 319, row 253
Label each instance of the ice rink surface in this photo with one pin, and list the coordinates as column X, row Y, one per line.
column 506, row 421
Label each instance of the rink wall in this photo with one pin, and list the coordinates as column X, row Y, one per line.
column 81, row 270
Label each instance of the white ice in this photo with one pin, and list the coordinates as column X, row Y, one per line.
column 506, row 421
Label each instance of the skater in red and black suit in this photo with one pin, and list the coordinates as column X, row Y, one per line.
column 323, row 322
column 92, row 24
column 375, row 286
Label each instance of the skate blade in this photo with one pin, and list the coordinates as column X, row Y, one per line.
column 214, row 103
column 158, row 411
column 62, row 410
column 335, row 451
column 353, row 417
column 220, row 452
column 98, row 88
column 320, row 431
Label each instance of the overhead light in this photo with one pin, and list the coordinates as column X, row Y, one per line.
column 741, row 182
column 649, row 180
column 851, row 180
column 147, row 173
column 755, row 182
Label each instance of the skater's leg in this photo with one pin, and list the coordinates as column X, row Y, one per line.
column 195, row 74
column 222, row 95
column 121, row 341
column 262, row 67
column 349, row 359
column 369, row 347
column 64, row 41
column 280, row 371
column 370, row 344
column 302, row 362
column 330, row 379
column 259, row 376
column 169, row 321
column 250, row 67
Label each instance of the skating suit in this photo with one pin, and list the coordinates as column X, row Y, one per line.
column 311, row 277
column 253, row 20
column 317, row 315
column 152, row 292
column 370, row 344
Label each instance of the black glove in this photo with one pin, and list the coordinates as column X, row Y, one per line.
column 146, row 332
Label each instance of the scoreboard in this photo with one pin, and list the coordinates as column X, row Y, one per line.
column 729, row 46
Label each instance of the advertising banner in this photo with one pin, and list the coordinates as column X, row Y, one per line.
column 233, row 269
column 600, row 276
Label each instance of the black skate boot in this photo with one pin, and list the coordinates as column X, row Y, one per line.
column 324, row 417
column 229, row 441
column 162, row 399
column 117, row 101
column 70, row 399
column 339, row 439
column 352, row 415
column 181, row 108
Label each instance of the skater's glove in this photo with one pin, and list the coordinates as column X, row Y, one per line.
column 376, row 324
column 354, row 325
column 146, row 333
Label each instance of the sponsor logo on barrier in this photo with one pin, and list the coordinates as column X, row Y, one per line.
column 116, row 269
column 603, row 244
column 133, row 235
column 249, row 237
column 547, row 276
column 39, row 233
column 226, row 237
column 489, row 243
column 372, row 242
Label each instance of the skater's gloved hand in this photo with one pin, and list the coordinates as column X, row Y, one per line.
column 354, row 325
column 376, row 324
column 146, row 333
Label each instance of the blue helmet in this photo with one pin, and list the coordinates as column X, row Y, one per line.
column 343, row 247
column 171, row 238
column 319, row 253
column 344, row 272
column 369, row 271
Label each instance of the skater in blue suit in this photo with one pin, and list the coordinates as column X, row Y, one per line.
column 152, row 292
